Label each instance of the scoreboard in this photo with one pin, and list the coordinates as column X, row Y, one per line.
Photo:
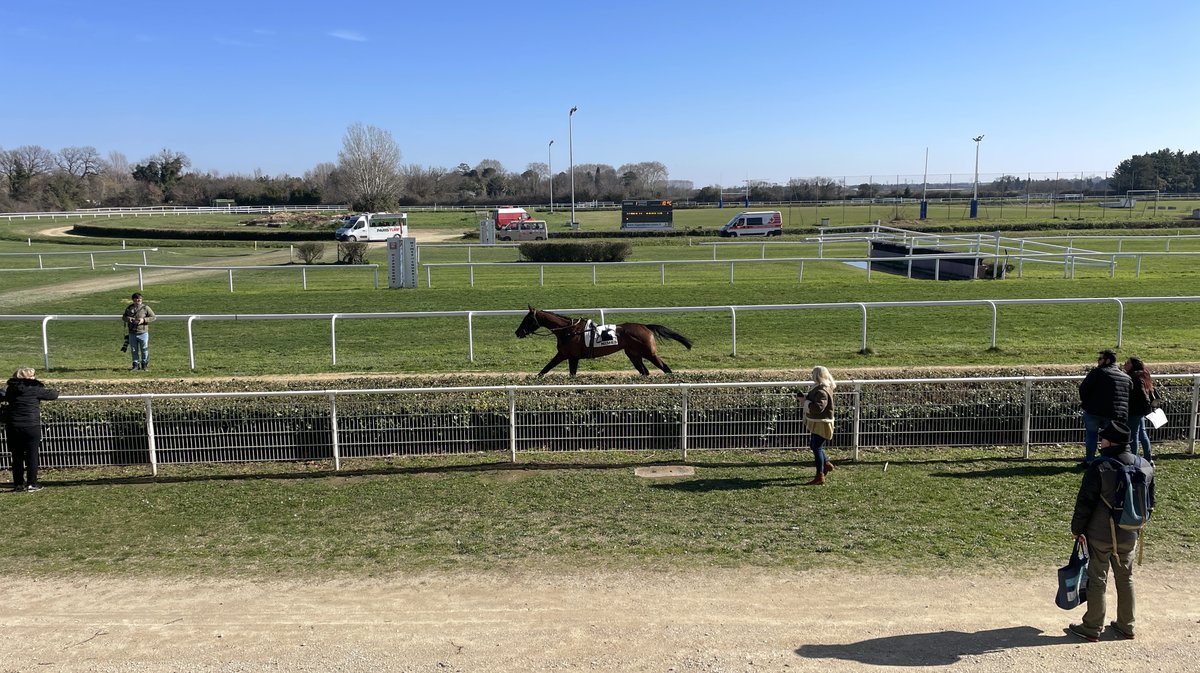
column 655, row 214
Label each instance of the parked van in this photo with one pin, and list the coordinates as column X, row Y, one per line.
column 372, row 227
column 508, row 218
column 525, row 230
column 754, row 223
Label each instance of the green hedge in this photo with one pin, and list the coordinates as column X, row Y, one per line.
column 583, row 251
column 239, row 234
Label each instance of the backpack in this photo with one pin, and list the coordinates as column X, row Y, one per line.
column 1130, row 508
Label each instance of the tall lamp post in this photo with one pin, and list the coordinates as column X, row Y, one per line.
column 571, row 158
column 550, row 167
column 975, row 192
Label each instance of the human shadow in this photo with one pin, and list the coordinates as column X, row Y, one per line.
column 940, row 648
column 730, row 484
column 1032, row 470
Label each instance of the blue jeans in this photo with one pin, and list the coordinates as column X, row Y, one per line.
column 1091, row 434
column 139, row 348
column 817, row 444
column 1139, row 434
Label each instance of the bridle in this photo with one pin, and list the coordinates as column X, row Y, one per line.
column 553, row 330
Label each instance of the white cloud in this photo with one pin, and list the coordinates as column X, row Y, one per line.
column 348, row 35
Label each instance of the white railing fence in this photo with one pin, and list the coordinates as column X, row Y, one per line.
column 605, row 314
column 1013, row 414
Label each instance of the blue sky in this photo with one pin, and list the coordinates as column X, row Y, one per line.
column 717, row 91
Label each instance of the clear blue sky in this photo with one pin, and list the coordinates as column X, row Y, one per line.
column 717, row 91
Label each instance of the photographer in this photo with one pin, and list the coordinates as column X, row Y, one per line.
column 136, row 317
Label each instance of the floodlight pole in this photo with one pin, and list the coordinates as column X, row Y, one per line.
column 571, row 157
column 550, row 168
column 975, row 193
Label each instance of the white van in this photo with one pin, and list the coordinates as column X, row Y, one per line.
column 372, row 227
column 754, row 223
column 525, row 230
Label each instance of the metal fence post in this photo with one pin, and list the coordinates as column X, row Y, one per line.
column 191, row 343
column 150, row 439
column 864, row 328
column 46, row 341
column 512, row 424
column 854, row 429
column 683, row 425
column 1120, row 320
column 333, row 432
column 333, row 337
column 231, row 280
column 1027, row 421
column 471, row 336
column 994, row 320
column 1192, row 418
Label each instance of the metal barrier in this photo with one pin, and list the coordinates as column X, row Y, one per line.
column 1013, row 414
column 605, row 313
column 302, row 268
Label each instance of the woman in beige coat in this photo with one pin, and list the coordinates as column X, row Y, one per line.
column 818, row 420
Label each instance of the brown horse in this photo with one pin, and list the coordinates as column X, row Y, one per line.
column 636, row 339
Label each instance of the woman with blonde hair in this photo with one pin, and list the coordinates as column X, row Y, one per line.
column 818, row 420
column 23, row 397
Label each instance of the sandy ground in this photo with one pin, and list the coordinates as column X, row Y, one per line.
column 708, row 620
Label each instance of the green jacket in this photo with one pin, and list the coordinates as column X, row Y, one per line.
column 137, row 316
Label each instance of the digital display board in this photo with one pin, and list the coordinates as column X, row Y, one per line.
column 655, row 214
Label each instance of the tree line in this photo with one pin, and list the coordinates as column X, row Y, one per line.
column 369, row 175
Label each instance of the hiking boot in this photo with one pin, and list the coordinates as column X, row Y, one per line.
column 17, row 488
column 828, row 467
column 1120, row 631
column 134, row 368
column 1079, row 630
column 819, row 480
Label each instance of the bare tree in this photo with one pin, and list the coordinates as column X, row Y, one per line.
column 23, row 168
column 79, row 162
column 369, row 167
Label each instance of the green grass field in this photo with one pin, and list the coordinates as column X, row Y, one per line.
column 911, row 510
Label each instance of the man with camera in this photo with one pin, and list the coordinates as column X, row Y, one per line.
column 137, row 316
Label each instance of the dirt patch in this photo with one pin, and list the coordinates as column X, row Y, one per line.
column 522, row 620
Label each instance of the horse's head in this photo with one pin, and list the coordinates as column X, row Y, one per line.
column 529, row 325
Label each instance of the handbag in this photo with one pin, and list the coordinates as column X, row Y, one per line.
column 1073, row 579
column 1157, row 418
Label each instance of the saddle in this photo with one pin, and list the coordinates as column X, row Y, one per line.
column 598, row 336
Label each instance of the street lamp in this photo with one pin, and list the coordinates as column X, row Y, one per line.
column 975, row 193
column 571, row 157
column 550, row 167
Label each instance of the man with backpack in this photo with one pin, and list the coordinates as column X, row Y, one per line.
column 1115, row 501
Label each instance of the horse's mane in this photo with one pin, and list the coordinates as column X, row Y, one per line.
column 557, row 315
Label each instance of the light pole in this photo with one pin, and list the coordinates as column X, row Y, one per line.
column 550, row 167
column 975, row 192
column 571, row 157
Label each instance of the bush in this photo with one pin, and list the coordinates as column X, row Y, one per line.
column 310, row 251
column 582, row 251
column 352, row 253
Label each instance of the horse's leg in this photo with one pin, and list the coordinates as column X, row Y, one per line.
column 637, row 363
column 554, row 362
column 658, row 362
column 573, row 365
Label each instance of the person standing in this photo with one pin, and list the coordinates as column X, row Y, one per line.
column 1142, row 400
column 1091, row 524
column 23, row 397
column 137, row 316
column 1104, row 396
column 818, row 420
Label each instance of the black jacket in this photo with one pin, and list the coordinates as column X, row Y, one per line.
column 23, row 402
column 1140, row 402
column 1105, row 392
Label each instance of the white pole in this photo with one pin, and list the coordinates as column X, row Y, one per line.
column 571, row 157
column 550, row 168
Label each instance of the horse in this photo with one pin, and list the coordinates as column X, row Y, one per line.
column 636, row 339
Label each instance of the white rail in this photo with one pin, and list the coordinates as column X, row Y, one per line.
column 181, row 428
column 303, row 268
column 605, row 314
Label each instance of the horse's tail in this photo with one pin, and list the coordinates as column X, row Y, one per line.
column 669, row 333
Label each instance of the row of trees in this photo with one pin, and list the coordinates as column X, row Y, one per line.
column 368, row 175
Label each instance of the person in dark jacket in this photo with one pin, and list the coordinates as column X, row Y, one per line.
column 1090, row 524
column 1104, row 396
column 23, row 425
column 1142, row 400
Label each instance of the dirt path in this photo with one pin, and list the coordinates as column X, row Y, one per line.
column 708, row 620
column 105, row 281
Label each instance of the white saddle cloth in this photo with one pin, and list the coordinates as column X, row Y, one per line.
column 597, row 336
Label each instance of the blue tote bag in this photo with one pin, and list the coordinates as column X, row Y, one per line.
column 1072, row 579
